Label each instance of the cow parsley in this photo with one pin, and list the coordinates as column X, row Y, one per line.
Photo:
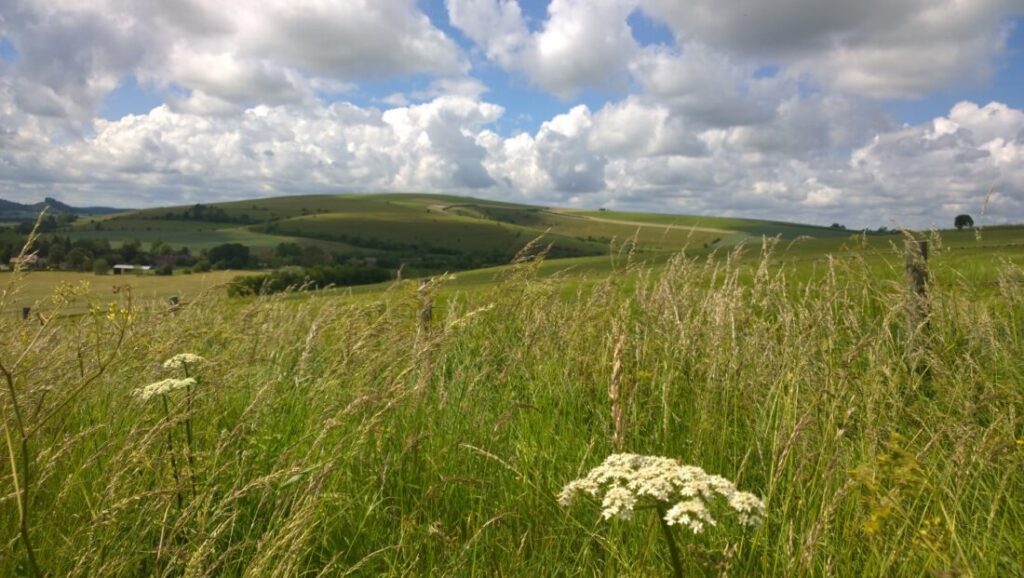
column 682, row 494
column 163, row 387
column 183, row 360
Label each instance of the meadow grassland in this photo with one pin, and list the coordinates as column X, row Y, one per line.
column 428, row 429
column 195, row 236
column 460, row 224
column 35, row 288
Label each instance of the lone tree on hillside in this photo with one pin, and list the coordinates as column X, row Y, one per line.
column 962, row 221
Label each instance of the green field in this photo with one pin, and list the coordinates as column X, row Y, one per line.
column 426, row 427
column 396, row 223
column 747, row 226
column 428, row 230
column 971, row 257
column 192, row 235
column 36, row 287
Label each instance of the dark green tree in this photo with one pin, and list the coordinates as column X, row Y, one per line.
column 229, row 256
column 962, row 221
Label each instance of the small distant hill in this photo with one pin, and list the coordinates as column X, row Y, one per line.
column 12, row 211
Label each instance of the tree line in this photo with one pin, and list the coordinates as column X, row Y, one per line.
column 308, row 278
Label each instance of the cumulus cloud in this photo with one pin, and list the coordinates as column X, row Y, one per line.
column 946, row 166
column 635, row 128
column 630, row 154
column 986, row 124
column 809, row 125
column 437, row 143
column 583, row 43
column 71, row 54
column 879, row 48
column 706, row 85
column 876, row 48
column 562, row 151
column 70, row 57
column 465, row 86
column 497, row 26
column 175, row 155
column 255, row 103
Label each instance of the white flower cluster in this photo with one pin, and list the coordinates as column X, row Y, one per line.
column 163, row 387
column 623, row 481
column 182, row 360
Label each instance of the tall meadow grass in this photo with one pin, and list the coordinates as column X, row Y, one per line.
column 334, row 436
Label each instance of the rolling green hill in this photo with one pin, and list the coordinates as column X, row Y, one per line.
column 440, row 229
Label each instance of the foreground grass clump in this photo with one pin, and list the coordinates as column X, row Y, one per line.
column 371, row 436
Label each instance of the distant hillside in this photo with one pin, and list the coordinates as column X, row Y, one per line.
column 12, row 211
column 424, row 231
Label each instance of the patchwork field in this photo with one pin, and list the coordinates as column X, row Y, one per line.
column 404, row 223
column 969, row 256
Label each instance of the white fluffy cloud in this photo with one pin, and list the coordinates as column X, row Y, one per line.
column 631, row 154
column 633, row 128
column 256, row 105
column 877, row 48
column 269, row 149
column 705, row 85
column 582, row 43
column 72, row 53
column 947, row 166
column 880, row 48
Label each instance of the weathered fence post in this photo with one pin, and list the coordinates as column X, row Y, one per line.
column 916, row 263
column 917, row 266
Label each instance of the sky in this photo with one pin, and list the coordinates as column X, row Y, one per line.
column 870, row 113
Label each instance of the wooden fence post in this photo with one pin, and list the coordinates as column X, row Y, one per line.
column 916, row 263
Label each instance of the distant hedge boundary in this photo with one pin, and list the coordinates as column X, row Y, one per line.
column 308, row 278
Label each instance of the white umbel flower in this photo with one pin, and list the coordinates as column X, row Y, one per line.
column 618, row 503
column 690, row 513
column 183, row 360
column 685, row 493
column 749, row 506
column 163, row 387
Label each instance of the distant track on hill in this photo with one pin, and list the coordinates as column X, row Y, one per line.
column 570, row 213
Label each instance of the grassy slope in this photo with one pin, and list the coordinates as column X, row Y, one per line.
column 37, row 287
column 968, row 256
column 429, row 229
column 350, row 438
column 195, row 235
column 749, row 226
column 440, row 221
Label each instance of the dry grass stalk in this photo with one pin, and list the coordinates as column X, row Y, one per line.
column 615, row 395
